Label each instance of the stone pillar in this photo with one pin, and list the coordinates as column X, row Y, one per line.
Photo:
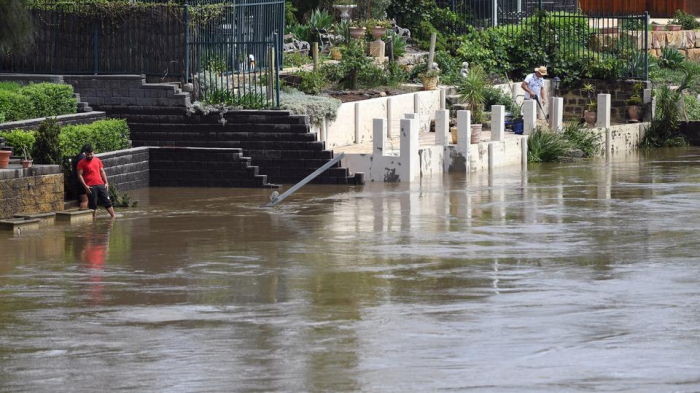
column 378, row 137
column 529, row 116
column 377, row 49
column 442, row 128
column 498, row 123
column 464, row 127
column 556, row 113
column 358, row 124
column 409, row 150
column 603, row 111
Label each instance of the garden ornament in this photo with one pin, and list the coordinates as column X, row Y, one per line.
column 465, row 69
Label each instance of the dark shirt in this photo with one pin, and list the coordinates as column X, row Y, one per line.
column 75, row 162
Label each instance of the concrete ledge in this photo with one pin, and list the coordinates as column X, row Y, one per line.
column 31, row 78
column 44, row 218
column 15, row 171
column 72, row 216
column 63, row 120
column 17, row 225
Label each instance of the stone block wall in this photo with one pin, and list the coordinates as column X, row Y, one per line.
column 576, row 100
column 206, row 167
column 687, row 41
column 127, row 169
column 106, row 92
column 31, row 194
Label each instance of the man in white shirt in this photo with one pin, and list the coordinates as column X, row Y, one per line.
column 533, row 86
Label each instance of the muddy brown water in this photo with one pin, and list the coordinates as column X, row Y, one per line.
column 573, row 277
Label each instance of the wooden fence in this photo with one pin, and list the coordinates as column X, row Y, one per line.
column 656, row 8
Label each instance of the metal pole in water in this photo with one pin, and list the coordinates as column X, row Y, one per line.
column 274, row 200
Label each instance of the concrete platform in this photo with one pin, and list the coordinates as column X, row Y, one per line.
column 19, row 225
column 72, row 216
column 44, row 218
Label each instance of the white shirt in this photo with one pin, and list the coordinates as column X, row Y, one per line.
column 535, row 84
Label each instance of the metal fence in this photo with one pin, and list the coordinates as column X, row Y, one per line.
column 153, row 37
column 557, row 32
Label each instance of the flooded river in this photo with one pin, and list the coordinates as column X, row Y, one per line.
column 571, row 277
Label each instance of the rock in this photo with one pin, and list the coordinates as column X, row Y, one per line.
column 694, row 54
column 675, row 39
column 382, row 94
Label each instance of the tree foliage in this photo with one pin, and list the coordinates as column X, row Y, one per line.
column 16, row 27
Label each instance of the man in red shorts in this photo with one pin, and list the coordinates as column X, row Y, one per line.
column 92, row 176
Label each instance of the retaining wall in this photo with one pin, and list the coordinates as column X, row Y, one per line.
column 127, row 169
column 31, row 191
column 63, row 120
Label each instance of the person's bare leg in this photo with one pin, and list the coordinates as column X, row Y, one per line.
column 83, row 202
column 94, row 214
column 110, row 210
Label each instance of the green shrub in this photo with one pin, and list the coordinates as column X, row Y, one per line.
column 399, row 44
column 15, row 106
column 671, row 58
column 51, row 99
column 312, row 82
column 664, row 128
column 687, row 21
column 10, row 86
column 543, row 145
column 103, row 135
column 588, row 141
column 692, row 107
column 295, row 59
column 19, row 139
column 316, row 107
column 352, row 63
column 47, row 149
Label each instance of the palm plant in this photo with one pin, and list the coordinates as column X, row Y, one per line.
column 671, row 58
column 472, row 90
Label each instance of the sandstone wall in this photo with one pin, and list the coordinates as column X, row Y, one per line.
column 31, row 195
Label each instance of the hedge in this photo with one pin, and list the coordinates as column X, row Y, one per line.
column 35, row 100
column 103, row 135
column 51, row 99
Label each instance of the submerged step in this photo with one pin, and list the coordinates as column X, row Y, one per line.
column 17, row 225
column 44, row 218
column 72, row 216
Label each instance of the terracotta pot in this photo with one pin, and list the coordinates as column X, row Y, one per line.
column 27, row 163
column 674, row 27
column 378, row 32
column 4, row 158
column 590, row 117
column 357, row 32
column 635, row 112
column 658, row 27
column 476, row 134
column 429, row 83
column 335, row 53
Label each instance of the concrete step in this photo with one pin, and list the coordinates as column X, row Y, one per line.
column 44, row 218
column 72, row 216
column 19, row 225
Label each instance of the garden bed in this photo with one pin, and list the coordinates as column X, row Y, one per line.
column 366, row 94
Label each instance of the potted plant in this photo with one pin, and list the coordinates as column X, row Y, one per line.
column 657, row 27
column 356, row 31
column 345, row 7
column 634, row 104
column 26, row 158
column 673, row 26
column 430, row 79
column 590, row 115
column 4, row 158
column 472, row 90
column 377, row 28
column 336, row 53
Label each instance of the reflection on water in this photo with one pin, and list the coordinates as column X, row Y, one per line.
column 579, row 276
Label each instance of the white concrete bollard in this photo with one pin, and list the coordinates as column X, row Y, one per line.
column 409, row 149
column 498, row 123
column 443, row 99
column 556, row 113
column 389, row 116
column 523, row 152
column 442, row 128
column 464, row 127
column 529, row 116
column 608, row 142
column 416, row 103
column 647, row 96
column 358, row 123
column 603, row 111
column 491, row 157
column 378, row 137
